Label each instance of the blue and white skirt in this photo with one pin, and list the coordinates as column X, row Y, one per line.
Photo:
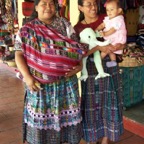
column 52, row 115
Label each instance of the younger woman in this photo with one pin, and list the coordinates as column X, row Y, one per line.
column 101, row 103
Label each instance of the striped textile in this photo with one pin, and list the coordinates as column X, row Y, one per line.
column 48, row 52
column 69, row 135
column 53, row 115
column 102, row 104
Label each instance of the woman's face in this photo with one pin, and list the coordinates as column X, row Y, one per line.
column 89, row 8
column 46, row 10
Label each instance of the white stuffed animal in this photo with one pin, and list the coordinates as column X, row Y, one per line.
column 88, row 36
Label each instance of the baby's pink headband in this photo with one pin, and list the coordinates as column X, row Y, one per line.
column 105, row 3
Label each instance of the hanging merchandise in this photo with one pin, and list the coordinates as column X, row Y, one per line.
column 15, row 16
column 27, row 9
column 123, row 4
column 132, row 4
column 140, row 40
column 9, row 16
column 67, row 9
column 132, row 18
column 6, row 26
column 64, row 8
column 140, row 33
column 2, row 12
column 141, row 2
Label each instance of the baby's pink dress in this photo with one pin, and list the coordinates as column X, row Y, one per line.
column 120, row 35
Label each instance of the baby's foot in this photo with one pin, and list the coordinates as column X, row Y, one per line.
column 111, row 64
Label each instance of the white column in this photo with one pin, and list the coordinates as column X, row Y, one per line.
column 20, row 15
column 73, row 12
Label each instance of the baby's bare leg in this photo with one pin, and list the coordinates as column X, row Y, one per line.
column 113, row 62
column 112, row 56
column 103, row 55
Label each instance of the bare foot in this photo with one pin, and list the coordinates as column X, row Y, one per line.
column 105, row 140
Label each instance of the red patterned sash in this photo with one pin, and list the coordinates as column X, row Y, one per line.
column 48, row 53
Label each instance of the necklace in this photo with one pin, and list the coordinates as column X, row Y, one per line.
column 91, row 21
column 85, row 21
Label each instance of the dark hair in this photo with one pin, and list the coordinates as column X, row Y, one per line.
column 34, row 13
column 81, row 15
column 116, row 1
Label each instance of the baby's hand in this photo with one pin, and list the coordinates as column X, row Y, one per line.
column 102, row 34
column 97, row 33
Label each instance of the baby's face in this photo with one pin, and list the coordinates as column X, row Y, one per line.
column 112, row 9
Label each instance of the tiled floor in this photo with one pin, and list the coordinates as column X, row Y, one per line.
column 11, row 106
column 136, row 112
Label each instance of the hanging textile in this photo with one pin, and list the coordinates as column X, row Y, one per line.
column 132, row 18
column 2, row 13
column 27, row 9
column 8, row 15
column 15, row 16
column 64, row 10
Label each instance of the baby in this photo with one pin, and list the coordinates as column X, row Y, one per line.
column 113, row 28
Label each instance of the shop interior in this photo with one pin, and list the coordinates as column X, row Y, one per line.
column 13, row 14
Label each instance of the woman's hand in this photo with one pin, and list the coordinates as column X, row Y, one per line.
column 75, row 70
column 117, row 47
column 112, row 48
column 120, row 46
column 105, row 49
column 32, row 83
column 91, row 51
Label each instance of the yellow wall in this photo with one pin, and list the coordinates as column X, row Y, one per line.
column 73, row 12
column 20, row 15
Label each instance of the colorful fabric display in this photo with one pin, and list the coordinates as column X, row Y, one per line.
column 27, row 8
column 54, row 55
column 132, row 17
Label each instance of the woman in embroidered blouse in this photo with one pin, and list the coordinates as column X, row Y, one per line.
column 101, row 102
column 48, row 64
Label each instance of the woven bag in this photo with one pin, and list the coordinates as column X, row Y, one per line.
column 132, row 18
column 27, row 8
column 131, row 62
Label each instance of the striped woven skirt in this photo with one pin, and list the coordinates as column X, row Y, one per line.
column 102, row 104
column 52, row 115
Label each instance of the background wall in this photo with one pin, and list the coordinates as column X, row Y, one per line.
column 73, row 12
column 20, row 15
